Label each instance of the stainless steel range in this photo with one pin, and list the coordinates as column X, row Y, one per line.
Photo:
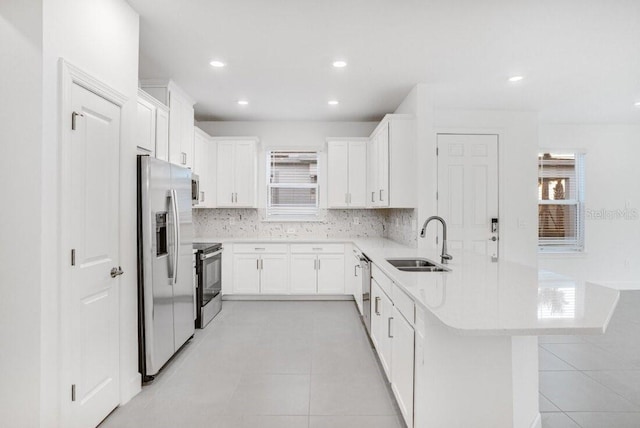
column 209, row 291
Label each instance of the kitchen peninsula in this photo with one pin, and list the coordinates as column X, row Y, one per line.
column 472, row 332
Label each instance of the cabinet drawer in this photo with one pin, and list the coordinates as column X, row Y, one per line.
column 259, row 248
column 317, row 248
column 383, row 280
column 404, row 304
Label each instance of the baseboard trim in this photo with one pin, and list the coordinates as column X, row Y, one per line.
column 280, row 297
column 537, row 422
column 133, row 388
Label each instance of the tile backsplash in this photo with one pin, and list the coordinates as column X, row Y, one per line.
column 222, row 223
column 400, row 225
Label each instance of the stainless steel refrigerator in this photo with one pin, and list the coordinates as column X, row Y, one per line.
column 165, row 262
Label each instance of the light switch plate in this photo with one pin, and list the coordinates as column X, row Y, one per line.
column 291, row 231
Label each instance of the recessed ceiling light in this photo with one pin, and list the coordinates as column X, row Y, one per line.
column 217, row 64
column 637, row 104
column 333, row 103
column 339, row 64
column 243, row 102
column 515, row 78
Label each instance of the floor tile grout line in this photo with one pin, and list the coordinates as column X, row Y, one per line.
column 573, row 420
column 552, row 353
column 584, row 372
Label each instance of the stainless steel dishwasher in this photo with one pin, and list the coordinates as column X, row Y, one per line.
column 365, row 272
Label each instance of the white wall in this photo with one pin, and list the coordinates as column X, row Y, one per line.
column 518, row 145
column 101, row 38
column 612, row 177
column 287, row 135
column 20, row 211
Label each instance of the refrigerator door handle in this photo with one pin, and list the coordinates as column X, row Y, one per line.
column 176, row 234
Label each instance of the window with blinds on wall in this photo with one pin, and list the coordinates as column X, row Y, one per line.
column 292, row 185
column 561, row 201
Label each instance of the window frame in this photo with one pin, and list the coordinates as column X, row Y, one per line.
column 576, row 246
column 310, row 214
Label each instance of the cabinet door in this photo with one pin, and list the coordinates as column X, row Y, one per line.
column 225, row 174
column 246, row 274
column 372, row 172
column 402, row 364
column 357, row 174
column 200, row 151
column 175, row 129
column 303, row 273
column 356, row 275
column 162, row 134
column 274, row 274
column 146, row 127
column 186, row 143
column 338, row 174
column 381, row 312
column 245, row 174
column 331, row 274
column 383, row 166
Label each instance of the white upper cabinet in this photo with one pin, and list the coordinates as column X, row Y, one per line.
column 391, row 163
column 236, row 172
column 205, row 167
column 152, row 126
column 181, row 122
column 347, row 173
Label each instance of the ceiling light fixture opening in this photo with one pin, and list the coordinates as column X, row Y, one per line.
column 339, row 64
column 515, row 78
column 243, row 102
column 333, row 103
column 217, row 64
column 637, row 104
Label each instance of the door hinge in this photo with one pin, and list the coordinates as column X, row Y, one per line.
column 73, row 257
column 73, row 392
column 74, row 115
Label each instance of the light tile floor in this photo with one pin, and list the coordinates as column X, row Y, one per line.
column 594, row 381
column 269, row 364
column 309, row 364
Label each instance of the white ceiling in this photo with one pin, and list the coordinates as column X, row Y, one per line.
column 580, row 58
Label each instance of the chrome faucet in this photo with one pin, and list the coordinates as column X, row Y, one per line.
column 444, row 257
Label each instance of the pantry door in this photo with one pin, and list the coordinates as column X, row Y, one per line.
column 91, row 230
column 468, row 191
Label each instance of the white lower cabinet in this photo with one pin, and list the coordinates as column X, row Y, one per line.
column 317, row 273
column 246, row 273
column 381, row 314
column 304, row 273
column 394, row 339
column 260, row 273
column 402, row 364
column 331, row 274
column 273, row 271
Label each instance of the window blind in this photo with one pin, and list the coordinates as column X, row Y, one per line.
column 292, row 184
column 560, row 201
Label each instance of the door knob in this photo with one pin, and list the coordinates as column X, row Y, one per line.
column 116, row 271
column 494, row 238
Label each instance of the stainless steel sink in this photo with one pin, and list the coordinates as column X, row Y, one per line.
column 417, row 265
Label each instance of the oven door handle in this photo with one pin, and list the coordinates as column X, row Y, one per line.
column 208, row 256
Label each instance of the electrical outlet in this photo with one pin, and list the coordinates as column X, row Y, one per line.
column 291, row 231
column 232, row 221
column 627, row 263
column 356, row 220
column 397, row 222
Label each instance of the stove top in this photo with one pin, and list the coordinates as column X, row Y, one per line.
column 207, row 247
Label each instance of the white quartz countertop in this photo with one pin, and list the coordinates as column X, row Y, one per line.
column 480, row 297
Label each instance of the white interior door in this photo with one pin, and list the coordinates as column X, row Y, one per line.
column 468, row 190
column 94, row 237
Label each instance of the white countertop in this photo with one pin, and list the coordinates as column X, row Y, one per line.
column 479, row 297
column 485, row 298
